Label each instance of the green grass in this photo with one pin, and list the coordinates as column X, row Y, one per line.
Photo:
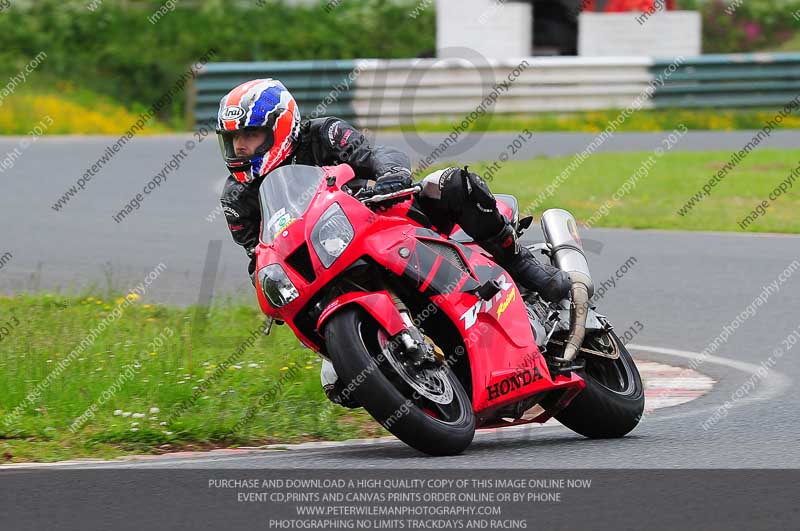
column 658, row 194
column 596, row 121
column 792, row 45
column 50, row 327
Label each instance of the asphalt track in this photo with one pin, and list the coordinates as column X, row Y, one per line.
column 82, row 244
column 684, row 287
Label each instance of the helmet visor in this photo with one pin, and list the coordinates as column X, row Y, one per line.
column 228, row 149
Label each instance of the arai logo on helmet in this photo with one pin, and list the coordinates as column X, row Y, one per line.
column 234, row 112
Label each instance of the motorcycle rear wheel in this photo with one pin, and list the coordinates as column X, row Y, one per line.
column 352, row 339
column 612, row 403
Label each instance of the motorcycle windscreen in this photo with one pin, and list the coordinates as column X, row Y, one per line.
column 284, row 196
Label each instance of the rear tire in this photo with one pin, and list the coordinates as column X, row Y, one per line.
column 352, row 341
column 612, row 403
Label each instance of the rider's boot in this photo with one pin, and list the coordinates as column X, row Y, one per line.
column 334, row 390
column 550, row 282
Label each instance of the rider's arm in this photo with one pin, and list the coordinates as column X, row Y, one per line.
column 239, row 203
column 348, row 145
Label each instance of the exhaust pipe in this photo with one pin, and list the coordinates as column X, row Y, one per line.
column 561, row 232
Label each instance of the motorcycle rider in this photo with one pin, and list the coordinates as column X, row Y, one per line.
column 259, row 129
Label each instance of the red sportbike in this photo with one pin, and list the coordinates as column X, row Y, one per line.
column 424, row 330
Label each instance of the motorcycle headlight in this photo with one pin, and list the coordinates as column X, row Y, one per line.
column 331, row 235
column 277, row 287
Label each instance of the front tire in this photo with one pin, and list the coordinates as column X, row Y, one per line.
column 612, row 403
column 352, row 339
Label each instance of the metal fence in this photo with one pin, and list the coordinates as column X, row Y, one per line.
column 311, row 83
column 739, row 80
column 378, row 93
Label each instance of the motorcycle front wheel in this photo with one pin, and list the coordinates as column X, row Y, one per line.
column 427, row 409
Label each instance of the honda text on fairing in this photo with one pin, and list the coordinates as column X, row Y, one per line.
column 425, row 331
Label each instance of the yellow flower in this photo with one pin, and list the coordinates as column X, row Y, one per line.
column 89, row 298
column 70, row 116
column 284, row 368
column 119, row 300
column 133, row 297
column 309, row 367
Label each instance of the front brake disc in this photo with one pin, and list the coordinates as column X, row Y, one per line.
column 429, row 382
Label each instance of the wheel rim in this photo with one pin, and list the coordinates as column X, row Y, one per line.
column 613, row 374
column 429, row 382
column 434, row 395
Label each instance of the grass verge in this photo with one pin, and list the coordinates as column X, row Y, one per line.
column 660, row 189
column 596, row 121
column 119, row 394
column 72, row 111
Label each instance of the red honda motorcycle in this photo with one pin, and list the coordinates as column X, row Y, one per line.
column 424, row 330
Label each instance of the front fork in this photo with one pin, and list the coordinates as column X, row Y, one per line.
column 394, row 316
column 415, row 344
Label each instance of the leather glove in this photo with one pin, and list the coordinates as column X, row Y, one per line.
column 478, row 191
column 393, row 180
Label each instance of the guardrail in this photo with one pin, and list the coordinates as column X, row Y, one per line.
column 735, row 80
column 310, row 82
column 378, row 93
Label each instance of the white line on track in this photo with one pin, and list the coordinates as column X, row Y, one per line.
column 773, row 384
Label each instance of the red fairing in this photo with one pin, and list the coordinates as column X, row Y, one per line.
column 505, row 363
column 379, row 305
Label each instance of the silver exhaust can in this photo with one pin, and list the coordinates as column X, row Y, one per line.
column 561, row 232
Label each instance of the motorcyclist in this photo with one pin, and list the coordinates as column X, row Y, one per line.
column 259, row 129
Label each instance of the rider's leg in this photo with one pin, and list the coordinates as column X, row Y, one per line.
column 455, row 196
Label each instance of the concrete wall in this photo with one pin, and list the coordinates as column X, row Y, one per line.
column 391, row 92
column 495, row 29
column 663, row 34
